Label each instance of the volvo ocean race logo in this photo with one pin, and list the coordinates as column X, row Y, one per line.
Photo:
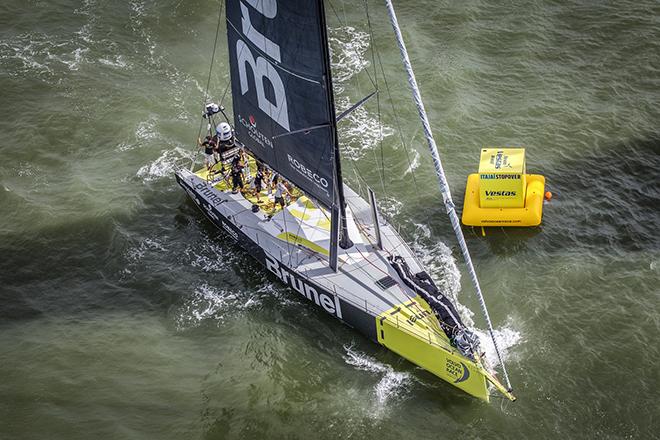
column 458, row 370
column 254, row 133
column 329, row 303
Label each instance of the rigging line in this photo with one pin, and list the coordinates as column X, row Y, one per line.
column 300, row 223
column 396, row 118
column 380, row 124
column 442, row 180
column 224, row 93
column 208, row 83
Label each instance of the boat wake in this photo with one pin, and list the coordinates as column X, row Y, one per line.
column 163, row 166
column 209, row 257
column 393, row 385
column 212, row 303
column 441, row 265
column 360, row 131
column 506, row 338
column 389, row 207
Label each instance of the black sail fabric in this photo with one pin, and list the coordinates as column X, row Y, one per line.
column 281, row 89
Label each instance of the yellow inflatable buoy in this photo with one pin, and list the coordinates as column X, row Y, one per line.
column 502, row 193
column 529, row 215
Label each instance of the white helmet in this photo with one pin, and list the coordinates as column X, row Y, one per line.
column 224, row 131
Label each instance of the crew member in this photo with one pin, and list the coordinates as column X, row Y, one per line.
column 280, row 191
column 211, row 156
column 247, row 174
column 258, row 182
column 236, row 174
column 225, row 137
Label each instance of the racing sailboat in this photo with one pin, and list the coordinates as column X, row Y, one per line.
column 327, row 243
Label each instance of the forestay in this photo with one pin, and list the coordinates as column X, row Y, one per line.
column 282, row 95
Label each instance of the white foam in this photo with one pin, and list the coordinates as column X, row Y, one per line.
column 135, row 254
column 206, row 302
column 414, row 163
column 360, row 131
column 85, row 33
column 146, row 130
column 208, row 256
column 212, row 303
column 117, row 61
column 72, row 60
column 26, row 169
column 31, row 50
column 389, row 206
column 164, row 166
column 137, row 10
column 392, row 384
column 506, row 339
column 348, row 47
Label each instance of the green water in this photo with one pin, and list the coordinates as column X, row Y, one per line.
column 125, row 314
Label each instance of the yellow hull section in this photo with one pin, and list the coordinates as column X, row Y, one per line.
column 411, row 331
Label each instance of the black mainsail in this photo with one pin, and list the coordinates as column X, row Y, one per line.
column 282, row 95
column 281, row 90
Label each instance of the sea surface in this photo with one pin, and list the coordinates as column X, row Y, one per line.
column 125, row 315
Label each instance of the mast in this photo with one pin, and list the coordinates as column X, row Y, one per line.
column 343, row 239
column 442, row 180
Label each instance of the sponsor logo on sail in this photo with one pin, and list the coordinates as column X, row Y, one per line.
column 307, row 173
column 254, row 133
column 329, row 303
